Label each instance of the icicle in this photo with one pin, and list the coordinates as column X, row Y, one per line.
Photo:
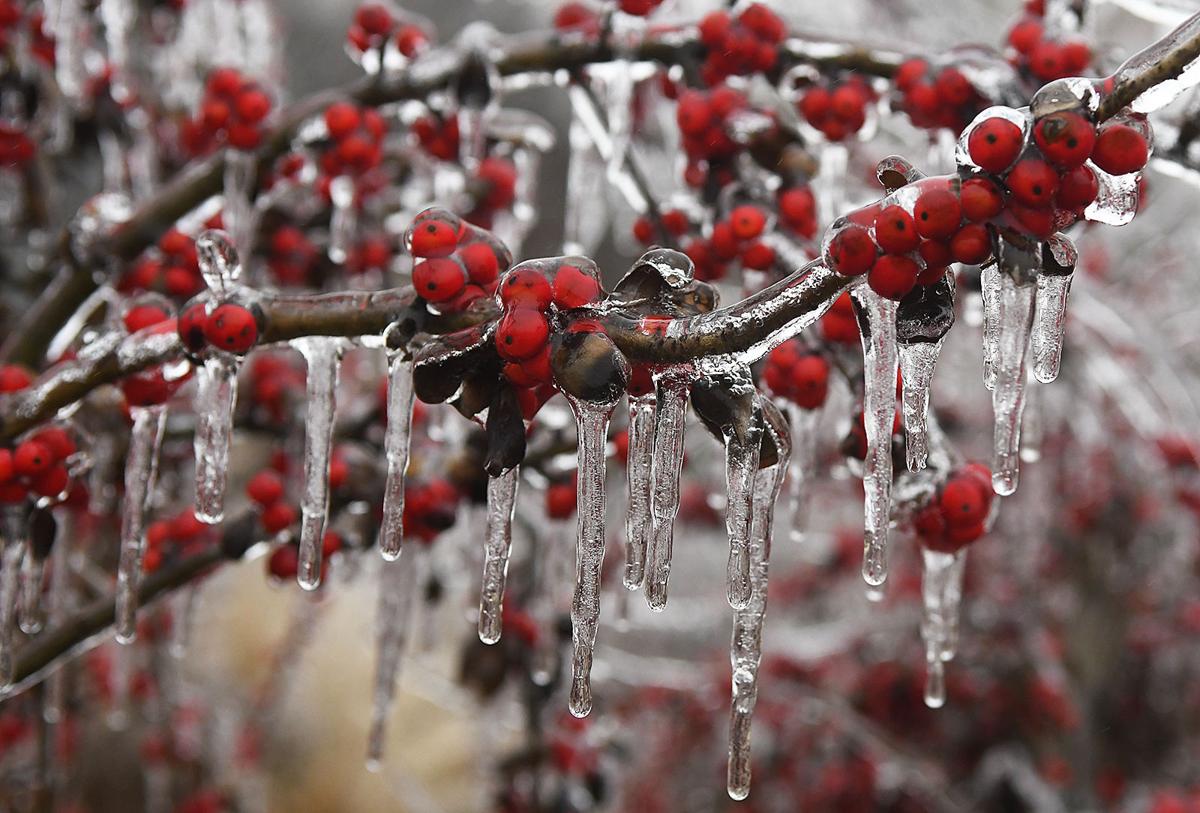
column 917, row 362
column 617, row 93
column 592, row 422
column 879, row 415
column 745, row 650
column 322, row 355
column 118, row 17
column 29, row 610
column 829, row 184
column 238, row 215
column 1008, row 397
column 741, row 466
column 501, row 501
column 664, row 496
column 941, row 590
column 140, row 469
column 803, row 465
column 343, row 222
column 396, row 445
column 989, row 283
column 639, row 467
column 1050, row 323
column 15, row 547
column 216, row 399
column 398, row 587
column 584, row 224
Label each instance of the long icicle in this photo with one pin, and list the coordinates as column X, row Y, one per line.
column 989, row 284
column 30, row 617
column 879, row 414
column 745, row 651
column 140, row 469
column 323, row 357
column 1008, row 397
column 741, row 467
column 501, row 502
column 941, row 591
column 398, row 586
column 917, row 363
column 803, row 467
column 639, row 467
column 664, row 500
column 1049, row 324
column 592, row 422
column 215, row 402
column 396, row 447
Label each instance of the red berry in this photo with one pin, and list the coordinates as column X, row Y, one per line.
column 758, row 256
column 851, row 251
column 432, row 238
column 909, row 73
column 481, row 262
column 521, row 333
column 932, row 275
column 252, row 105
column 232, row 328
column 373, row 18
column 57, row 440
column 52, row 482
column 243, row 136
column 980, row 199
column 284, row 563
column 140, row 316
column 32, row 458
column 747, row 222
column 14, row 377
column 265, row 488
column 994, row 144
column 963, row 501
column 1037, row 222
column 953, row 88
column 643, row 230
column 439, row 279
column 893, row 276
column 1025, row 35
column 341, row 119
column 526, row 287
column 938, row 213
column 1065, row 139
column 848, row 101
column 1033, row 182
column 410, row 39
column 934, row 253
column 7, row 469
column 574, row 287
column 816, row 105
column 972, row 245
column 224, row 82
column 277, row 517
column 810, row 381
column 895, row 231
column 560, row 500
column 724, row 241
column 1046, row 62
column 1077, row 188
column 576, row 16
column 191, row 326
column 1120, row 149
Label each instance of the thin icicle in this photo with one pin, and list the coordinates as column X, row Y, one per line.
column 396, row 446
column 879, row 414
column 917, row 363
column 16, row 545
column 664, row 496
column 741, row 467
column 745, row 650
column 639, row 467
column 1008, row 397
column 1050, row 323
column 343, row 222
column 501, row 501
column 803, row 466
column 140, row 469
column 238, row 215
column 323, row 356
column 941, row 590
column 216, row 399
column 989, row 283
column 30, row 617
column 591, row 419
column 398, row 587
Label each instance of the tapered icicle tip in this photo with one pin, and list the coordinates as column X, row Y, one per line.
column 935, row 684
column 874, row 567
column 580, row 702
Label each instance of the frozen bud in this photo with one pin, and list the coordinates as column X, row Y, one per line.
column 589, row 366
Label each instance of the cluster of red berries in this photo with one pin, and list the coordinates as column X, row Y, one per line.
column 1049, row 181
column 674, row 221
column 16, row 148
column 233, row 112
column 228, row 326
column 150, row 386
column 936, row 97
column 180, row 535
column 291, row 256
column 795, row 372
column 1045, row 58
column 838, row 108
column 702, row 118
column 173, row 268
column 495, row 183
column 958, row 514
column 430, row 508
column 734, row 238
column 438, row 135
column 37, row 466
column 797, row 210
column 375, row 25
column 531, row 294
column 741, row 44
column 356, row 139
column 458, row 263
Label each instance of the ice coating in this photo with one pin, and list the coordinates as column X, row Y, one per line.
column 879, row 412
column 214, row 404
column 1117, row 201
column 941, row 593
column 141, row 466
column 989, row 282
column 639, row 467
column 745, row 651
column 343, row 221
column 219, row 263
column 323, row 357
column 583, row 227
column 672, row 397
column 396, row 448
column 741, row 468
column 917, row 363
column 501, row 502
column 802, row 469
column 398, row 585
column 1049, row 324
column 30, row 617
column 1008, row 396
column 1185, row 40
column 592, row 422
